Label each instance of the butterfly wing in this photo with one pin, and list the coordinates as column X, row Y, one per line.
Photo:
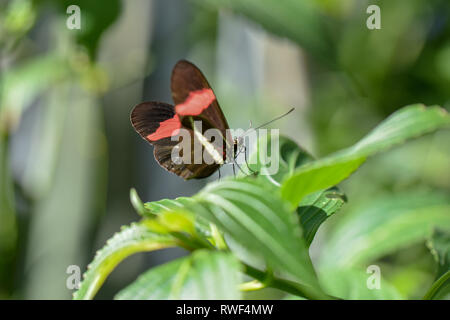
column 157, row 122
column 163, row 154
column 193, row 95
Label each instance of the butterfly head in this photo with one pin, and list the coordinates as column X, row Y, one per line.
column 238, row 144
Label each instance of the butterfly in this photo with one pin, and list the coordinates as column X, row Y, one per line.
column 159, row 122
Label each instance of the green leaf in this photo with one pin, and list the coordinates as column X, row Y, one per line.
column 440, row 288
column 383, row 225
column 291, row 156
column 156, row 207
column 174, row 222
column 439, row 244
column 406, row 123
column 157, row 211
column 260, row 222
column 315, row 208
column 130, row 240
column 200, row 276
column 350, row 283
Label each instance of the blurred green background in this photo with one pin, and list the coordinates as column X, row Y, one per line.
column 69, row 156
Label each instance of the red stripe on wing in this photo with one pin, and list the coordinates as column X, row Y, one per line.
column 167, row 128
column 196, row 102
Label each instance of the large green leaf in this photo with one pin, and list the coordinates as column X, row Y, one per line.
column 200, row 276
column 315, row 208
column 130, row 240
column 260, row 222
column 384, row 225
column 439, row 245
column 408, row 122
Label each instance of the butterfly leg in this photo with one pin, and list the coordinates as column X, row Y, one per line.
column 234, row 170
column 246, row 162
column 219, row 174
column 239, row 167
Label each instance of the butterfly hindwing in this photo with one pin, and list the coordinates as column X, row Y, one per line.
column 163, row 154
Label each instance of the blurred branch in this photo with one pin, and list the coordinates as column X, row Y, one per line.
column 8, row 224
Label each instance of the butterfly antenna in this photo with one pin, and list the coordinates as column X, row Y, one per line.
column 269, row 122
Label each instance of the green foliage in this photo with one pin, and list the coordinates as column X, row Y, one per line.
column 300, row 21
column 384, row 225
column 51, row 78
column 350, row 283
column 96, row 17
column 157, row 207
column 8, row 231
column 439, row 244
column 204, row 275
column 316, row 207
column 24, row 84
column 259, row 222
column 249, row 225
column 132, row 239
column 409, row 122
column 291, row 157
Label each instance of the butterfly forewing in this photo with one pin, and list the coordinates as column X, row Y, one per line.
column 187, row 81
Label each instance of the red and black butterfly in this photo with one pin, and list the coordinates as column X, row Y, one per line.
column 194, row 99
column 159, row 122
